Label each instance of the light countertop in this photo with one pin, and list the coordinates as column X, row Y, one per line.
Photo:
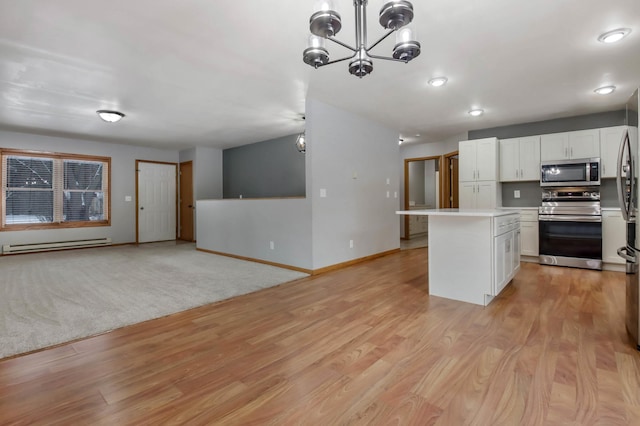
column 456, row 212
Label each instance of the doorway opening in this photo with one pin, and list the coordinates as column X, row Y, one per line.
column 450, row 198
column 422, row 190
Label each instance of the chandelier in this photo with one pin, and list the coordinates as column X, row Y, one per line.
column 326, row 23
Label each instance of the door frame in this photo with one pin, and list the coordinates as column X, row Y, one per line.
column 406, row 218
column 446, row 187
column 138, row 191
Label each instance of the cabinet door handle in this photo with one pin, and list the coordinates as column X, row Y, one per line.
column 517, row 173
column 521, row 174
column 478, row 174
column 572, row 151
column 566, row 152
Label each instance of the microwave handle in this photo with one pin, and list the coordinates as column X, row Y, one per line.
column 624, row 207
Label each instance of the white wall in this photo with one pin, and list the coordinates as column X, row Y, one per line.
column 246, row 227
column 350, row 158
column 123, row 175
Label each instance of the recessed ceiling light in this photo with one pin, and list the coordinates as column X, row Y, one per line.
column 110, row 116
column 605, row 90
column 476, row 112
column 438, row 81
column 417, row 135
column 614, row 35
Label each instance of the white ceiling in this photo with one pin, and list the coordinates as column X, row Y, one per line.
column 210, row 73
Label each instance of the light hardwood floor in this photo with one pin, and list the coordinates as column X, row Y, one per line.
column 361, row 345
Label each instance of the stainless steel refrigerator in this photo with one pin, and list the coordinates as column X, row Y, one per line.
column 627, row 182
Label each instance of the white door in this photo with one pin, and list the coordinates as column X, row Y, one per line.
column 509, row 159
column 610, row 139
column 486, row 157
column 156, row 202
column 554, row 147
column 530, row 158
column 467, row 161
column 486, row 195
column 467, row 195
column 584, row 144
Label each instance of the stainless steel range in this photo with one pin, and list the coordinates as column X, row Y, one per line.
column 570, row 228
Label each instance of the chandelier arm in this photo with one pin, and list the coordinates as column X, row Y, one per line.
column 338, row 60
column 342, row 44
column 380, row 40
column 386, row 58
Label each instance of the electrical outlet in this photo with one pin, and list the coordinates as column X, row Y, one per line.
column 388, row 181
column 395, row 194
column 350, row 243
column 127, row 197
column 272, row 245
column 323, row 193
column 516, row 193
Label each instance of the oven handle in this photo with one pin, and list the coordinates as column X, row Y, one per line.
column 568, row 218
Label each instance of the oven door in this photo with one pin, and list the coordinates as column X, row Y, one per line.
column 571, row 240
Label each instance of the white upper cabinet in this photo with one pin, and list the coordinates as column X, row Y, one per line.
column 610, row 138
column 568, row 145
column 520, row 159
column 478, row 160
column 584, row 144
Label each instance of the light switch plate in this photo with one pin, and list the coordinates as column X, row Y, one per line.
column 127, row 198
column 323, row 192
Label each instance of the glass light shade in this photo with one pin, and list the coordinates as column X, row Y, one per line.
column 405, row 35
column 110, row 116
column 438, row 81
column 614, row 35
column 324, row 5
column 476, row 112
column 301, row 143
column 605, row 90
column 315, row 41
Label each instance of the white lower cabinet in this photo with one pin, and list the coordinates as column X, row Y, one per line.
column 506, row 249
column 614, row 234
column 529, row 232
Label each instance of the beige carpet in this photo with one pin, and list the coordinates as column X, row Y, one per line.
column 56, row 297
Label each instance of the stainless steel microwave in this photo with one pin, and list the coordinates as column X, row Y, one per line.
column 578, row 172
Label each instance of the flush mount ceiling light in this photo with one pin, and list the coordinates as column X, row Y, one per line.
column 476, row 112
column 326, row 23
column 400, row 141
column 614, row 35
column 605, row 90
column 438, row 81
column 301, row 144
column 110, row 116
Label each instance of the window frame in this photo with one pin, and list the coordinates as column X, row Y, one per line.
column 55, row 225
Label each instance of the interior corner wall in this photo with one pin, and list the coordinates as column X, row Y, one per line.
column 123, row 184
column 272, row 168
column 350, row 159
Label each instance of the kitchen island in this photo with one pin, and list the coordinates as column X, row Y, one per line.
column 473, row 254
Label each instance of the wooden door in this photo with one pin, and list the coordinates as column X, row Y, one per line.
column 156, row 201
column 454, row 197
column 187, row 205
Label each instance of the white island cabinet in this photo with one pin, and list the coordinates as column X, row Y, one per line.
column 473, row 254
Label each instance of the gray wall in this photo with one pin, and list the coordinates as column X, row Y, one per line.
column 272, row 168
column 530, row 194
column 567, row 124
column 123, row 179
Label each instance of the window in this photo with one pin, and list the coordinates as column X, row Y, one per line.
column 43, row 190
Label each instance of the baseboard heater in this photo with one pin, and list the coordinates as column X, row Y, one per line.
column 58, row 245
